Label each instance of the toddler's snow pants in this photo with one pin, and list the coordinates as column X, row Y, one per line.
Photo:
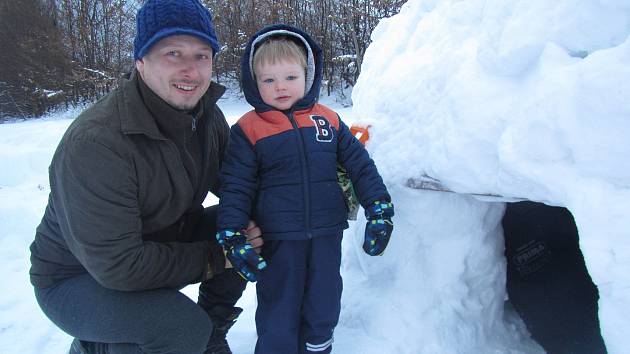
column 299, row 295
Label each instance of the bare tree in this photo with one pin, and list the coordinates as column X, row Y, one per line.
column 99, row 32
column 356, row 20
column 342, row 27
column 65, row 51
column 32, row 63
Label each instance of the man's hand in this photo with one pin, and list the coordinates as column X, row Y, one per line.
column 241, row 254
column 254, row 237
column 379, row 227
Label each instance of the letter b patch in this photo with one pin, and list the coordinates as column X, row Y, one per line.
column 324, row 131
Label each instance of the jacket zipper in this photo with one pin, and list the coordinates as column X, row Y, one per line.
column 305, row 179
column 194, row 122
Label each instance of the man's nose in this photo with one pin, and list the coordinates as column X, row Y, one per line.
column 188, row 67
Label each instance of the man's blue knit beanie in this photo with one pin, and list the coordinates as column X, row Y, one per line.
column 158, row 19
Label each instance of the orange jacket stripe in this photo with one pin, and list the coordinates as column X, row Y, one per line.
column 258, row 126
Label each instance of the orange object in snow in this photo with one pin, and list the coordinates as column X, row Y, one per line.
column 360, row 132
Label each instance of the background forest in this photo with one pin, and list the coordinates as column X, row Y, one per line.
column 59, row 53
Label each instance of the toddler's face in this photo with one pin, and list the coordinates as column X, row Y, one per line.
column 280, row 84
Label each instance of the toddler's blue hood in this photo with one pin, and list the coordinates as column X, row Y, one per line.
column 314, row 67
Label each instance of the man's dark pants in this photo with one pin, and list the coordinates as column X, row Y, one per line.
column 152, row 321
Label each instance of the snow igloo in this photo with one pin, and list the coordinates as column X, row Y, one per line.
column 491, row 121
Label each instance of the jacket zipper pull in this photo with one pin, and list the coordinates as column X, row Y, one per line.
column 194, row 123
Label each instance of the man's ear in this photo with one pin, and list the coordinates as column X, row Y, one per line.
column 140, row 67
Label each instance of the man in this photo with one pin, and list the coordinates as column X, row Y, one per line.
column 125, row 228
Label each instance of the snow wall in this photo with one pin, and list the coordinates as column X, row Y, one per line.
column 525, row 99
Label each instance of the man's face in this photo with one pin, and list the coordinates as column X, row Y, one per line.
column 178, row 69
column 280, row 84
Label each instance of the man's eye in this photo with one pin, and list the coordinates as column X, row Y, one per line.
column 203, row 57
column 173, row 53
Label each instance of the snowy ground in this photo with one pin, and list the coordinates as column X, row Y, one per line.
column 25, row 152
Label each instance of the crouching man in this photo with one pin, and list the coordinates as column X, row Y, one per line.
column 125, row 228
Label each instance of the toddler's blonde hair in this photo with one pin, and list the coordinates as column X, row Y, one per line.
column 278, row 49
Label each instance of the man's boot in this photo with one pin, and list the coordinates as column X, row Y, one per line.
column 222, row 322
column 85, row 347
column 76, row 347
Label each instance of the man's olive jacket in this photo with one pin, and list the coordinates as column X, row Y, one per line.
column 122, row 200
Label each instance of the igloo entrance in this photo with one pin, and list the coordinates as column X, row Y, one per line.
column 547, row 280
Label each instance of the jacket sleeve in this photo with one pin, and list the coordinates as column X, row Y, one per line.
column 95, row 194
column 239, row 182
column 353, row 156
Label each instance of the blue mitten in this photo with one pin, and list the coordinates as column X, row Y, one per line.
column 241, row 254
column 378, row 228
